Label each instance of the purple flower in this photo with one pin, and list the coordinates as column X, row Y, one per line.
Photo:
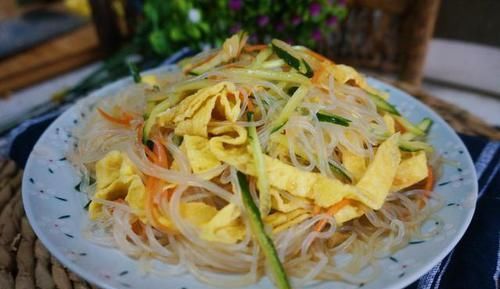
column 316, row 35
column 332, row 21
column 263, row 20
column 235, row 4
column 315, row 9
column 342, row 2
column 296, row 20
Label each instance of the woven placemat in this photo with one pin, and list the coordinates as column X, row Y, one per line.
column 26, row 264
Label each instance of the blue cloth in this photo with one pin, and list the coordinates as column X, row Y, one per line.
column 475, row 261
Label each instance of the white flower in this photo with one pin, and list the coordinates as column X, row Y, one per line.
column 194, row 15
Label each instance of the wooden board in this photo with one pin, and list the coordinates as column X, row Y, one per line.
column 49, row 59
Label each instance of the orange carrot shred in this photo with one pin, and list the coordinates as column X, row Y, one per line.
column 152, row 184
column 250, row 105
column 429, row 184
column 121, row 121
column 161, row 152
column 317, row 74
column 330, row 212
column 151, row 155
column 318, row 56
column 257, row 47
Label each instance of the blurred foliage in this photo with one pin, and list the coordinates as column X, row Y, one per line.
column 170, row 25
column 165, row 26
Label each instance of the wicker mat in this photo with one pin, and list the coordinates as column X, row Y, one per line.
column 26, row 264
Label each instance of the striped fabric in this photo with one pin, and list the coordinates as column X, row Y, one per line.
column 475, row 261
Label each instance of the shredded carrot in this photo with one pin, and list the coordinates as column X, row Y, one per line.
column 121, row 121
column 330, row 212
column 199, row 63
column 250, row 105
column 257, row 47
column 138, row 228
column 161, row 152
column 429, row 183
column 318, row 56
column 154, row 215
column 127, row 115
column 151, row 155
column 317, row 74
column 316, row 210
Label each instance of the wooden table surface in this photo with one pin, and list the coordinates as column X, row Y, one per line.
column 49, row 59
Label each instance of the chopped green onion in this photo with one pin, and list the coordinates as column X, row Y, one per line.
column 259, row 233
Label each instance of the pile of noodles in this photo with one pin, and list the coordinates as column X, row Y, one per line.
column 336, row 253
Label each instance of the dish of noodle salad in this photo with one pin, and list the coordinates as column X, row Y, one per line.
column 249, row 165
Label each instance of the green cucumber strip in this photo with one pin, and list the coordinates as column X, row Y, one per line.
column 215, row 61
column 340, row 171
column 134, row 72
column 177, row 139
column 261, row 57
column 382, row 104
column 289, row 108
column 285, row 52
column 414, row 146
column 265, row 243
column 410, row 127
column 159, row 108
column 270, row 75
column 332, row 118
column 260, row 167
column 309, row 71
column 424, row 126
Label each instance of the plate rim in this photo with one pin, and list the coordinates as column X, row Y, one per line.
column 93, row 278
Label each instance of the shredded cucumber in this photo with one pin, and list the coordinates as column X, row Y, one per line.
column 424, row 126
column 269, row 75
column 289, row 108
column 332, row 118
column 414, row 146
column 285, row 52
column 260, row 167
column 340, row 171
column 382, row 104
column 159, row 108
column 259, row 233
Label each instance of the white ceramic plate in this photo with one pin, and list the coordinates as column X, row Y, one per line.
column 55, row 208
